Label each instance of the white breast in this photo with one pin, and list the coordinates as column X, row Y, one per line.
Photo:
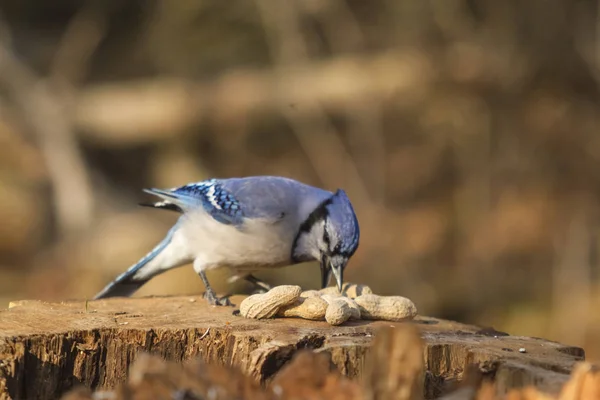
column 257, row 245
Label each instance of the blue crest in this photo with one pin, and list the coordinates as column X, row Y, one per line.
column 342, row 214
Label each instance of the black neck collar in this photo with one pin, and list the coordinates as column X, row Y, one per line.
column 318, row 214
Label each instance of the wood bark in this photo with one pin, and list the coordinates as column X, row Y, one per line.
column 47, row 348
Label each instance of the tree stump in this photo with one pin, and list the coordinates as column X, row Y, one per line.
column 48, row 348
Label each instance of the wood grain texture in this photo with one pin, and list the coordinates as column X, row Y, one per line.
column 47, row 348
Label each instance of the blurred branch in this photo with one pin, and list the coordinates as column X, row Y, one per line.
column 597, row 42
column 79, row 42
column 340, row 25
column 572, row 273
column 45, row 111
column 587, row 42
column 364, row 115
column 157, row 109
column 288, row 48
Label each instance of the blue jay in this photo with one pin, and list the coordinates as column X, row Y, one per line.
column 247, row 224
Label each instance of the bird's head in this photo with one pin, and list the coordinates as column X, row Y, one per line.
column 330, row 234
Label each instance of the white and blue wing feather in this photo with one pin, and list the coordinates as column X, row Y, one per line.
column 272, row 199
column 210, row 195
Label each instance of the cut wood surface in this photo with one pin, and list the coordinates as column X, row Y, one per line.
column 47, row 348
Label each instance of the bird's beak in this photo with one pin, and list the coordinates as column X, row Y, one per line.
column 338, row 272
column 325, row 271
column 329, row 265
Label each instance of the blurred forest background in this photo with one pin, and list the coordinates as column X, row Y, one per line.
column 465, row 132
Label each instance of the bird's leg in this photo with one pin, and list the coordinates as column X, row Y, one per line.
column 262, row 286
column 210, row 295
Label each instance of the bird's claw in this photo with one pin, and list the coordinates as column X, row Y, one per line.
column 213, row 300
column 260, row 290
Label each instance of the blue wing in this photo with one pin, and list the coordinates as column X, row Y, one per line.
column 209, row 194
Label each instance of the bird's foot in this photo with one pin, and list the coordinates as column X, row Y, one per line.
column 260, row 286
column 213, row 300
column 260, row 290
